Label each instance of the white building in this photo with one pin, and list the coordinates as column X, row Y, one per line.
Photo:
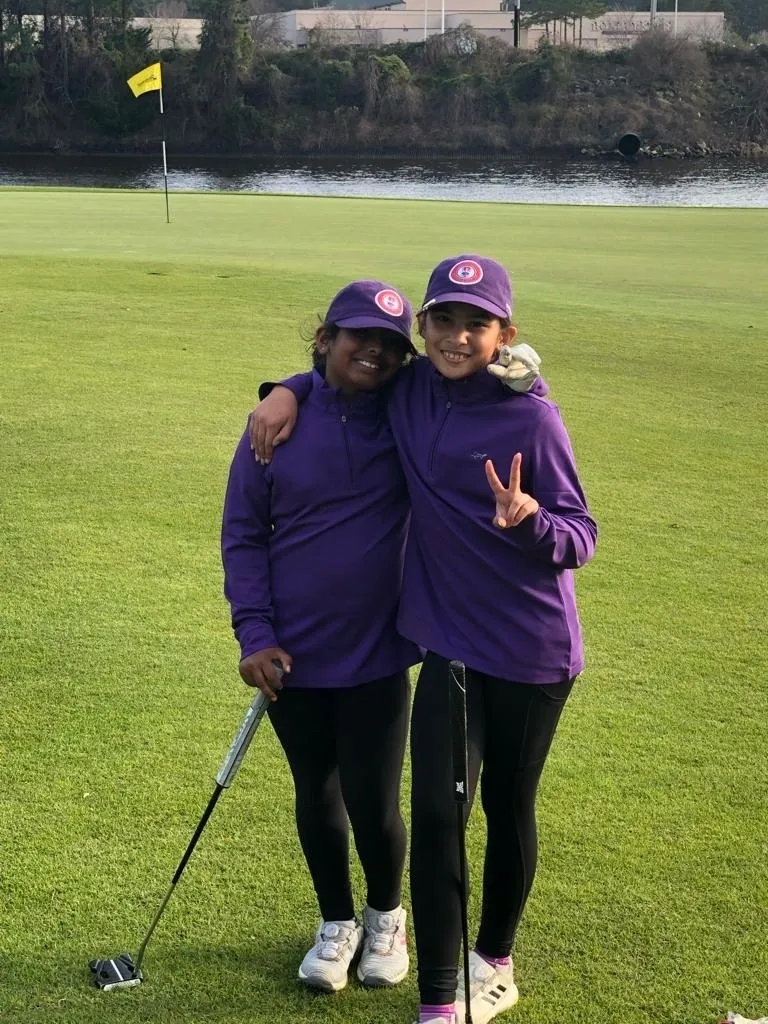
column 410, row 21
column 414, row 20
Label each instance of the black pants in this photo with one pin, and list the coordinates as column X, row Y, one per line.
column 345, row 748
column 510, row 727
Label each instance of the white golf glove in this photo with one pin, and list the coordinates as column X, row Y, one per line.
column 517, row 366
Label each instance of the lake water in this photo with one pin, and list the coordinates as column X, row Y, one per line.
column 589, row 182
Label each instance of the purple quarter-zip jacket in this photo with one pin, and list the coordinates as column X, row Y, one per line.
column 312, row 544
column 502, row 601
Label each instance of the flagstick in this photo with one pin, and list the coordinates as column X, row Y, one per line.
column 165, row 162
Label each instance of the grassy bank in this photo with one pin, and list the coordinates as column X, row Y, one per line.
column 131, row 353
column 450, row 96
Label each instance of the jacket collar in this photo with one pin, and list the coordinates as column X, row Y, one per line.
column 480, row 387
column 364, row 405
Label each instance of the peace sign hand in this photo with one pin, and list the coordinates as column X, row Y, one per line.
column 512, row 504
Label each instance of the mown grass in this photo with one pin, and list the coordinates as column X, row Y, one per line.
column 130, row 354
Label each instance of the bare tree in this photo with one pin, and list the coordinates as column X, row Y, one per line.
column 328, row 30
column 363, row 31
column 266, row 24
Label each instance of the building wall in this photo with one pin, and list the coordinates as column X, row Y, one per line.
column 617, row 29
column 403, row 24
column 406, row 23
column 172, row 33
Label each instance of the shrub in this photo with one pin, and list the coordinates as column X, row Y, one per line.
column 660, row 61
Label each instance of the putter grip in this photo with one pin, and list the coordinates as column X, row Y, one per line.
column 245, row 733
column 458, row 700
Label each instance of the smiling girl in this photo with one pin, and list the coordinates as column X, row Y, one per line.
column 312, row 547
column 493, row 591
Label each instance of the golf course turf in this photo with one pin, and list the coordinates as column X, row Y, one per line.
column 130, row 353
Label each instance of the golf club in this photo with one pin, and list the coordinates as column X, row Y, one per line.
column 123, row 971
column 458, row 697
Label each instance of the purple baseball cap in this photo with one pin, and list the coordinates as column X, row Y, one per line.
column 372, row 304
column 477, row 280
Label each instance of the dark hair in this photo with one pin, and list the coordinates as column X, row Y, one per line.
column 331, row 332
column 318, row 358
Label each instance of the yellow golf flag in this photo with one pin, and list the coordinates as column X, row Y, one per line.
column 148, row 80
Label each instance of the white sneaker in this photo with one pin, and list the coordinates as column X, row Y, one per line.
column 327, row 964
column 493, row 990
column 441, row 1020
column 385, row 956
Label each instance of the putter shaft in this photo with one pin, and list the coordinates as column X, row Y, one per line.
column 458, row 703
column 224, row 779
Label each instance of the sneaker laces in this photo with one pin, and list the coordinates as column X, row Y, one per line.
column 381, row 933
column 332, row 939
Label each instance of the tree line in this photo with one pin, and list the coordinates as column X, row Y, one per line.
column 63, row 86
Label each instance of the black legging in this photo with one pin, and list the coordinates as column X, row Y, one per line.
column 345, row 748
column 509, row 731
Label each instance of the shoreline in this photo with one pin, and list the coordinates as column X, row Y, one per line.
column 748, row 153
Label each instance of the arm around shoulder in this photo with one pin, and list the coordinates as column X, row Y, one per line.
column 272, row 421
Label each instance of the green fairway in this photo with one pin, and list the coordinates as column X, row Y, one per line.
column 130, row 352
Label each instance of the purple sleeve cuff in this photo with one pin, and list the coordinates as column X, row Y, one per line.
column 533, row 529
column 255, row 636
column 562, row 533
column 300, row 385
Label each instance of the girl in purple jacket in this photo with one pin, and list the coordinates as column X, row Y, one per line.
column 312, row 546
column 493, row 591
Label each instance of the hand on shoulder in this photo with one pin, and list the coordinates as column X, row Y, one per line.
column 518, row 367
column 272, row 422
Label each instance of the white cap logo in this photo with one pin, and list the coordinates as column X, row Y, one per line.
column 389, row 302
column 466, row 272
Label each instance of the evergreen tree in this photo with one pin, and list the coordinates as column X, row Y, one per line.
column 226, row 51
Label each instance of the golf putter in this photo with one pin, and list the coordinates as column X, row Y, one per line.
column 458, row 700
column 123, row 971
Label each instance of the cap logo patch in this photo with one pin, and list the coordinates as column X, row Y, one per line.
column 389, row 302
column 466, row 272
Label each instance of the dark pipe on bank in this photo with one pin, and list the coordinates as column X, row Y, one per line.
column 629, row 145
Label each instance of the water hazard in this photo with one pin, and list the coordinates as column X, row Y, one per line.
column 590, row 182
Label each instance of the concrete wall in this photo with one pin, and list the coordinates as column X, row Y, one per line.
column 400, row 25
column 621, row 28
column 172, row 33
column 407, row 24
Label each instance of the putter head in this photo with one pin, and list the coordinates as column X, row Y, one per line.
column 121, row 972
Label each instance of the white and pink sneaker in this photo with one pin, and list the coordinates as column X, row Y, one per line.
column 493, row 990
column 327, row 964
column 385, row 954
